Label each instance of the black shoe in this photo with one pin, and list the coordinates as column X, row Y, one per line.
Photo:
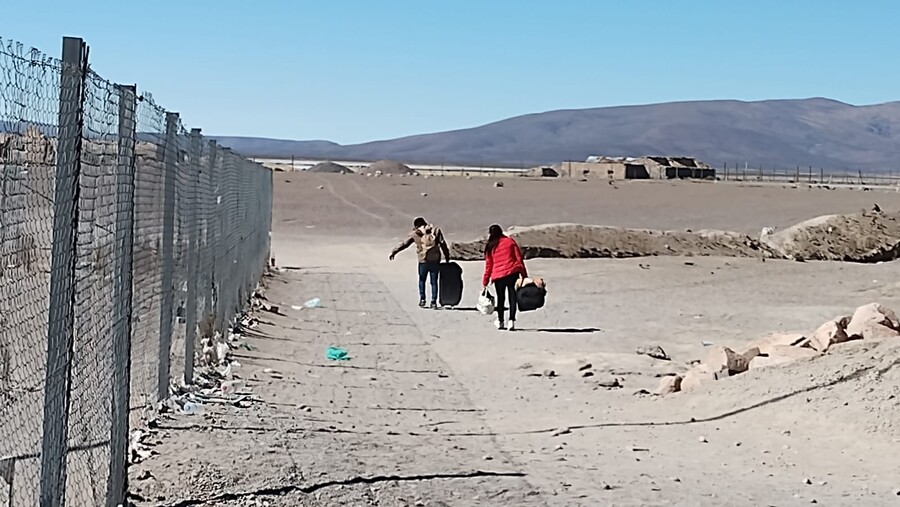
column 422, row 303
column 434, row 305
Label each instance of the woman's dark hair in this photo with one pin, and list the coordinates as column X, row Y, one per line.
column 419, row 222
column 495, row 232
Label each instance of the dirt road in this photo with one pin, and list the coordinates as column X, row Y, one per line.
column 438, row 408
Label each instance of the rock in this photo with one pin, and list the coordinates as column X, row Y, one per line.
column 584, row 365
column 867, row 320
column 872, row 331
column 697, row 375
column 610, row 384
column 424, row 194
column 723, row 373
column 828, row 334
column 498, row 184
column 722, row 358
column 750, row 353
column 587, row 374
column 654, row 351
column 782, row 354
column 703, row 440
column 669, row 384
column 549, row 373
column 767, row 343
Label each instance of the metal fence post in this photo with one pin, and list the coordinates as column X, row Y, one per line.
column 61, row 320
column 121, row 392
column 193, row 260
column 167, row 254
column 209, row 197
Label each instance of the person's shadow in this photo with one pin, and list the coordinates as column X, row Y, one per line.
column 566, row 330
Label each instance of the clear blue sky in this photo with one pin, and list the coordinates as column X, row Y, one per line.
column 353, row 71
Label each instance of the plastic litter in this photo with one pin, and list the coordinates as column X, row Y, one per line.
column 337, row 354
column 313, row 303
column 191, row 408
column 232, row 386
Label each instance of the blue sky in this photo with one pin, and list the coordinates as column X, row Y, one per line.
column 354, row 71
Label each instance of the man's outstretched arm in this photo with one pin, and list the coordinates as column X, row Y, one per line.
column 401, row 247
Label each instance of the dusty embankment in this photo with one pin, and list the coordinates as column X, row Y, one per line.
column 864, row 237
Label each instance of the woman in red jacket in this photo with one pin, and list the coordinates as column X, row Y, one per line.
column 503, row 265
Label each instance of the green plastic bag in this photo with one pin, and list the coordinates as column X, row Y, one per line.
column 337, row 354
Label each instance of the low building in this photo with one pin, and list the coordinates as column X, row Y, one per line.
column 635, row 168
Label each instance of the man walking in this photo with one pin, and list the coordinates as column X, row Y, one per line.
column 430, row 244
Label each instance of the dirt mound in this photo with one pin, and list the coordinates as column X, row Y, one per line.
column 572, row 241
column 389, row 167
column 864, row 237
column 329, row 167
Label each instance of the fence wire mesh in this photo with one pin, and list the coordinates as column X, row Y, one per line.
column 125, row 239
column 29, row 107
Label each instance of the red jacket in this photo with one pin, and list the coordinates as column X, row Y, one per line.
column 504, row 260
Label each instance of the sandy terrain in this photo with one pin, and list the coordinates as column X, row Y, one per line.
column 437, row 408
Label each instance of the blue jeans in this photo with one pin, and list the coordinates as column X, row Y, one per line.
column 426, row 268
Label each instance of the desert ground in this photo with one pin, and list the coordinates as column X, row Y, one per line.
column 438, row 408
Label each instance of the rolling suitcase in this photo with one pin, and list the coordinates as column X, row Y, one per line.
column 450, row 284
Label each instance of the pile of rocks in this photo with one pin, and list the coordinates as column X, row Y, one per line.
column 869, row 322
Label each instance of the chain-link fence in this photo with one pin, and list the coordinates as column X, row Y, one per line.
column 124, row 240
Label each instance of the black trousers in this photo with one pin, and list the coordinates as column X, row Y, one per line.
column 506, row 286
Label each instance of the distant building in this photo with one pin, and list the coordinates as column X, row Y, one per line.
column 637, row 168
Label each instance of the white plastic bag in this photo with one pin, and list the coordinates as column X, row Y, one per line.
column 485, row 303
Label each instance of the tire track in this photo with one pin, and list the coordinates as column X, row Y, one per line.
column 350, row 203
column 379, row 202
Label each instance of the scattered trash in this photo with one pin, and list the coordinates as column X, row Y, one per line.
column 295, row 307
column 191, row 408
column 136, row 447
column 273, row 373
column 337, row 354
column 655, row 351
column 232, row 386
column 313, row 303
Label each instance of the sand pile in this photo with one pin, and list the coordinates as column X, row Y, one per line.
column 871, row 322
column 572, row 241
column 863, row 237
column 389, row 167
column 329, row 167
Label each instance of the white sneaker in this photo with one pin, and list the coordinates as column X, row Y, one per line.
column 499, row 324
column 512, row 325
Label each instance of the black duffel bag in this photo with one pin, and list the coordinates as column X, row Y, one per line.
column 530, row 297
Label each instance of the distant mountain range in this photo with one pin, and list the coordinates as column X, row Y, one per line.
column 773, row 134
